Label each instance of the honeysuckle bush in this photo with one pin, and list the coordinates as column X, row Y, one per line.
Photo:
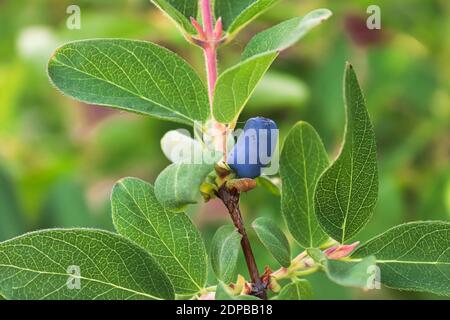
column 157, row 252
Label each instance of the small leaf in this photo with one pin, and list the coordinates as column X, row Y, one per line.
column 236, row 14
column 235, row 86
column 178, row 146
column 273, row 239
column 347, row 191
column 171, row 238
column 180, row 12
column 50, row 264
column 225, row 247
column 130, row 75
column 413, row 256
column 351, row 273
column 179, row 184
column 296, row 290
column 303, row 159
column 222, row 293
column 272, row 185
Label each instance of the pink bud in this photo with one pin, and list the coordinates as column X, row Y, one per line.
column 199, row 29
column 218, row 29
column 341, row 251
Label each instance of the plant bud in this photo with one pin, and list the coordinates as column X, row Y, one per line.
column 254, row 148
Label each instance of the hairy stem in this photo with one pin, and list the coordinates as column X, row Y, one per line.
column 210, row 48
column 231, row 200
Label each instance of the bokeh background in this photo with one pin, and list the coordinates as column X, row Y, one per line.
column 59, row 158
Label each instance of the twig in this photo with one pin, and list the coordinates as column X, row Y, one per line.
column 230, row 198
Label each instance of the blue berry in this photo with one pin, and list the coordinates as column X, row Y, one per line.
column 254, row 148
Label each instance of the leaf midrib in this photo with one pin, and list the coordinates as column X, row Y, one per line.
column 82, row 278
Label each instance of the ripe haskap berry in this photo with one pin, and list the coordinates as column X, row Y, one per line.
column 254, row 148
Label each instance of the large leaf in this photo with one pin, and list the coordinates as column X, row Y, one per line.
column 236, row 14
column 273, row 239
column 347, row 191
column 303, row 159
column 50, row 264
column 179, row 184
column 225, row 247
column 169, row 237
column 413, row 256
column 296, row 290
column 135, row 76
column 180, row 12
column 235, row 85
column 351, row 273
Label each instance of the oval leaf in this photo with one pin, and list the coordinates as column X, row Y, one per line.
column 413, row 256
column 285, row 34
column 235, row 86
column 273, row 239
column 79, row 264
column 225, row 247
column 130, row 75
column 171, row 238
column 180, row 12
column 179, row 184
column 347, row 191
column 303, row 159
column 296, row 290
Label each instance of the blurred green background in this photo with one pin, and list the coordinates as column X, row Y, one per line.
column 59, row 159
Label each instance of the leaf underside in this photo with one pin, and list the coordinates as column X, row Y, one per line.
column 413, row 256
column 170, row 238
column 38, row 266
column 130, row 75
column 347, row 191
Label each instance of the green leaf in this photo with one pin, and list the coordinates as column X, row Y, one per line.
column 170, row 238
column 297, row 290
column 130, row 75
column 347, row 191
column 351, row 273
column 222, row 293
column 285, row 34
column 180, row 12
column 235, row 85
column 45, row 265
column 178, row 185
column 273, row 239
column 269, row 184
column 413, row 256
column 303, row 159
column 225, row 247
column 236, row 14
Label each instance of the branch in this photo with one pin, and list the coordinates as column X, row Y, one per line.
column 230, row 198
